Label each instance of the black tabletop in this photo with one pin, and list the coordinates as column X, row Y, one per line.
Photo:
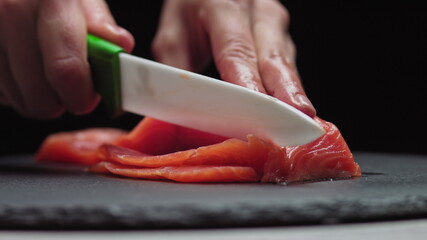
column 39, row 196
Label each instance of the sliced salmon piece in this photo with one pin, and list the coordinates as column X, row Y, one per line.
column 159, row 150
column 232, row 152
column 328, row 157
column 80, row 147
column 183, row 173
column 157, row 137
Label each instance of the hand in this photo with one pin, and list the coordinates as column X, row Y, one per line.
column 43, row 60
column 248, row 41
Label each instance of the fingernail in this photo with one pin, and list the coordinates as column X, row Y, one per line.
column 123, row 36
column 305, row 105
column 115, row 29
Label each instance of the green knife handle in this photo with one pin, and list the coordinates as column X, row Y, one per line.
column 105, row 68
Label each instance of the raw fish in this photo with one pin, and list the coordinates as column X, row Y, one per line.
column 160, row 150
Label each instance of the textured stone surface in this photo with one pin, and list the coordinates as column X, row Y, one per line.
column 35, row 196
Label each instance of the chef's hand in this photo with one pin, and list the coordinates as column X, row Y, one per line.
column 43, row 60
column 248, row 40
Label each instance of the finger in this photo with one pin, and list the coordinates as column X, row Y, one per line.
column 170, row 43
column 9, row 91
column 62, row 39
column 276, row 56
column 228, row 26
column 290, row 50
column 180, row 40
column 101, row 23
column 24, row 61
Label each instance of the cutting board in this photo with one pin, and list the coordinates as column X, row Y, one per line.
column 41, row 196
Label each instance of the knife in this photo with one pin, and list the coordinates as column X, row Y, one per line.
column 132, row 84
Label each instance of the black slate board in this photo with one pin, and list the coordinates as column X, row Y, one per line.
column 36, row 196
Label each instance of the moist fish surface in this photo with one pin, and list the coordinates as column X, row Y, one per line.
column 159, row 150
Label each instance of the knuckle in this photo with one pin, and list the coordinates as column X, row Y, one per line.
column 236, row 3
column 276, row 10
column 209, row 4
column 165, row 41
column 284, row 15
column 276, row 60
column 213, row 6
column 267, row 60
column 233, row 5
column 238, row 50
column 281, row 12
column 66, row 72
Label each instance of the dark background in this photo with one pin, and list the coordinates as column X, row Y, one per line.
column 362, row 64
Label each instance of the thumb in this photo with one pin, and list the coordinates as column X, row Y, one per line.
column 101, row 23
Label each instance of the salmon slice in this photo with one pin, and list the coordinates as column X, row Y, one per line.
column 160, row 150
column 79, row 147
column 183, row 173
column 327, row 157
column 156, row 137
column 232, row 152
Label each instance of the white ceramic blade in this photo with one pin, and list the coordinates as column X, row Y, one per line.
column 196, row 101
